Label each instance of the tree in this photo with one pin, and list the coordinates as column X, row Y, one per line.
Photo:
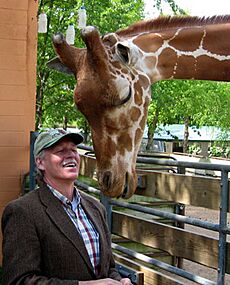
column 193, row 103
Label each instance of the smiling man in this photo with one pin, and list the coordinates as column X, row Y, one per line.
column 57, row 234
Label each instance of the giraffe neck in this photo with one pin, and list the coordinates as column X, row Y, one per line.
column 186, row 53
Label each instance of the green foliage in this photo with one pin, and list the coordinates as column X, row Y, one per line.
column 203, row 102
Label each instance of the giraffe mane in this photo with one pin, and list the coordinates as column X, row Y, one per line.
column 169, row 22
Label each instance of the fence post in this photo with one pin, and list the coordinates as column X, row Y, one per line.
column 223, row 223
column 106, row 202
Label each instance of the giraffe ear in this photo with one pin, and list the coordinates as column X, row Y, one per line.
column 127, row 53
column 56, row 64
column 123, row 52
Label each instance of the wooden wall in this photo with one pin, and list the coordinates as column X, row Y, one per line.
column 18, row 55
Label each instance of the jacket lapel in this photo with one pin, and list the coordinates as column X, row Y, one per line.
column 60, row 218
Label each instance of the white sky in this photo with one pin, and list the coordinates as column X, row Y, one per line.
column 193, row 7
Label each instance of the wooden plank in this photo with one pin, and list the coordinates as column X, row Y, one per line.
column 12, row 169
column 16, row 154
column 175, row 241
column 9, row 183
column 13, row 62
column 14, row 4
column 12, row 93
column 12, row 123
column 12, row 108
column 13, row 77
column 189, row 190
column 151, row 276
column 10, row 31
column 6, row 197
column 9, row 139
column 14, row 47
column 9, row 16
column 88, row 166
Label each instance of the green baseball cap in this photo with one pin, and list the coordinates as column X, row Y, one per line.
column 51, row 137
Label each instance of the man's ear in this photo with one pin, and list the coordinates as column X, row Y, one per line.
column 39, row 163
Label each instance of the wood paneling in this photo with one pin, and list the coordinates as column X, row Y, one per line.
column 15, row 154
column 16, row 47
column 9, row 16
column 14, row 4
column 13, row 77
column 9, row 139
column 12, row 169
column 12, row 123
column 9, row 31
column 18, row 55
column 12, row 108
column 9, row 184
column 12, row 93
column 13, row 62
column 6, row 197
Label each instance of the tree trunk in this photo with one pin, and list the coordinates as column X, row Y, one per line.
column 65, row 122
column 186, row 134
column 151, row 131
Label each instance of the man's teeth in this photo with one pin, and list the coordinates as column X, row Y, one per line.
column 69, row 164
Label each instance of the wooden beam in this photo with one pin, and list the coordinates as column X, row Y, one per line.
column 189, row 190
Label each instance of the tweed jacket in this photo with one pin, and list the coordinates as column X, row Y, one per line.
column 42, row 246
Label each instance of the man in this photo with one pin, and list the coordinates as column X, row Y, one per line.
column 57, row 234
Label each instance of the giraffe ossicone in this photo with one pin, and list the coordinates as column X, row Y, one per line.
column 114, row 74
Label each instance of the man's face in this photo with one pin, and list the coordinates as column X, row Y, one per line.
column 60, row 163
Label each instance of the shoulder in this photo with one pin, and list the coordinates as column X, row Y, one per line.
column 23, row 204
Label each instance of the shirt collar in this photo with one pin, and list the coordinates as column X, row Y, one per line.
column 65, row 201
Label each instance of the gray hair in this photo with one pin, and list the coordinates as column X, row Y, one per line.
column 39, row 174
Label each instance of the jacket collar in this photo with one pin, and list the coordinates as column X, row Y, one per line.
column 59, row 217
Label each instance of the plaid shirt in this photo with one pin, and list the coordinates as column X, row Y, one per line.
column 82, row 223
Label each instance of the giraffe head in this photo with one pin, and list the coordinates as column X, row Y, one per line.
column 114, row 98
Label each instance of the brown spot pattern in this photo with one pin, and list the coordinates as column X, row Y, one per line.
column 138, row 94
column 138, row 136
column 135, row 114
column 167, row 60
column 217, row 42
column 124, row 142
column 148, row 43
column 188, row 39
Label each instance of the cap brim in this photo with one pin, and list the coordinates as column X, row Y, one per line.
column 75, row 138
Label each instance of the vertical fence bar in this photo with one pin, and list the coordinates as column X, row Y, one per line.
column 223, row 224
column 106, row 202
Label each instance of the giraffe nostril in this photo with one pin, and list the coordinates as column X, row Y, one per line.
column 107, row 179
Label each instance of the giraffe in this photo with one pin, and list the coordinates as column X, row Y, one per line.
column 114, row 74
